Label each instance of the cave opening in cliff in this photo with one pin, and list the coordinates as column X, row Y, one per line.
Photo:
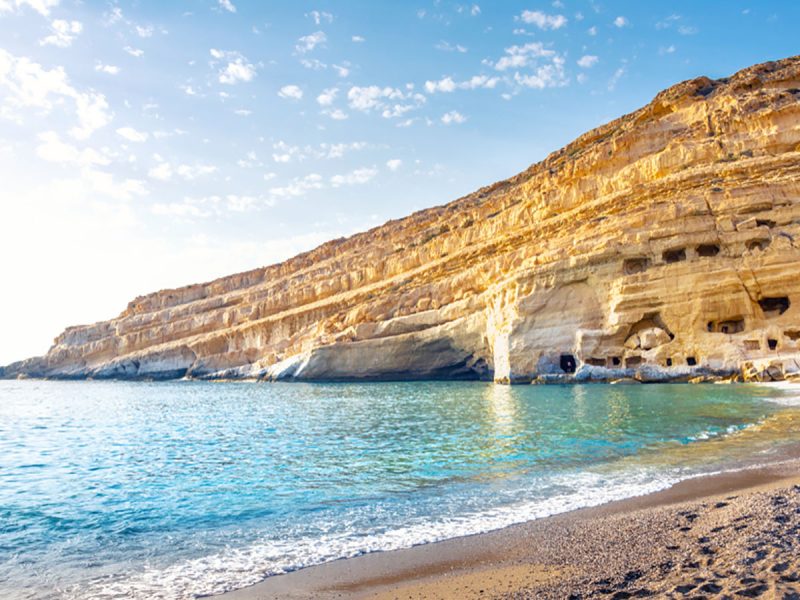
column 765, row 223
column 616, row 361
column 773, row 344
column 792, row 335
column 674, row 255
column 732, row 326
column 758, row 244
column 631, row 266
column 707, row 250
column 774, row 307
column 596, row 362
column 633, row 361
column 568, row 364
column 669, row 362
column 691, row 361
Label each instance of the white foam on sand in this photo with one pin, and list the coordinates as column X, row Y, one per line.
column 235, row 568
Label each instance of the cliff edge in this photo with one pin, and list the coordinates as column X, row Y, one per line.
column 664, row 245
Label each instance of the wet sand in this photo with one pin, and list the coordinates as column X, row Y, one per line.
column 734, row 535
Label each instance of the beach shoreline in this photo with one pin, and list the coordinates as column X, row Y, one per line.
column 621, row 549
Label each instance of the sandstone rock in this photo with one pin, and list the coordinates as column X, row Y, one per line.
column 663, row 245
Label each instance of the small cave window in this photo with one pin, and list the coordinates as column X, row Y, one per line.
column 707, row 250
column 568, row 363
column 710, row 326
column 691, row 361
column 792, row 335
column 765, row 223
column 731, row 326
column 631, row 266
column 596, row 362
column 773, row 344
column 616, row 361
column 757, row 244
column 669, row 362
column 675, row 255
column 633, row 361
column 774, row 307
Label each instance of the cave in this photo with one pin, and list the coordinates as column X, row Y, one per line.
column 675, row 255
column 773, row 344
column 691, row 361
column 792, row 335
column 758, row 244
column 710, row 326
column 731, row 326
column 774, row 307
column 568, row 363
column 765, row 223
column 707, row 250
column 616, row 361
column 631, row 266
column 669, row 362
column 633, row 361
column 596, row 362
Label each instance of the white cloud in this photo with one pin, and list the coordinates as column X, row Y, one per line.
column 448, row 85
column 542, row 20
column 545, row 76
column 522, row 56
column 308, row 42
column 130, row 134
column 108, row 69
column 299, row 186
column 337, row 114
column 667, row 50
column 612, row 83
column 453, row 117
column 587, row 61
column 144, row 32
column 190, row 172
column 227, row 5
column 327, row 97
column 29, row 85
column 620, row 21
column 236, row 67
column 357, row 177
column 243, row 112
column 592, row 30
column 687, row 30
column 41, row 6
column 162, row 172
column 394, row 164
column 341, row 71
column 52, row 149
column 392, row 102
column 448, row 47
column 357, row 39
column 290, row 92
column 320, row 16
column 475, row 10
column 62, row 33
column 133, row 51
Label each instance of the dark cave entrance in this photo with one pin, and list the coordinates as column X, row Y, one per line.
column 568, row 363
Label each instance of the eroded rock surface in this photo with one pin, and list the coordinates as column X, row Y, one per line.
column 664, row 245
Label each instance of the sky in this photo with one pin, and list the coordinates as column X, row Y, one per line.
column 147, row 144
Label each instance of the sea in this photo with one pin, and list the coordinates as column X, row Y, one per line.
column 175, row 490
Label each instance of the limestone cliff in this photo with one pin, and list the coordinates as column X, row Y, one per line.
column 663, row 245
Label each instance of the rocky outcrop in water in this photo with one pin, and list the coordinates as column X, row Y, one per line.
column 664, row 245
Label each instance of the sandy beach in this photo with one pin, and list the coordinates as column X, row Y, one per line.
column 732, row 535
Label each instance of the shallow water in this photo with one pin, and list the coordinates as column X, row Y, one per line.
column 172, row 490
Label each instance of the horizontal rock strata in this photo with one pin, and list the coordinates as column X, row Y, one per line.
column 664, row 245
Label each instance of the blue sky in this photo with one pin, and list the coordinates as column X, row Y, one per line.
column 149, row 144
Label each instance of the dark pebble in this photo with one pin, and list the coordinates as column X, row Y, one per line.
column 752, row 592
column 720, row 505
column 685, row 589
column 711, row 588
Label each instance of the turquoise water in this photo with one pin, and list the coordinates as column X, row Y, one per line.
column 173, row 490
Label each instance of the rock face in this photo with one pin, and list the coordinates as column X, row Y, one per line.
column 664, row 245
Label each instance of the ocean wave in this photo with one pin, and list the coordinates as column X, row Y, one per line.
column 240, row 567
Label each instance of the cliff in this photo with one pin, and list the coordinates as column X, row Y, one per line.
column 663, row 245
